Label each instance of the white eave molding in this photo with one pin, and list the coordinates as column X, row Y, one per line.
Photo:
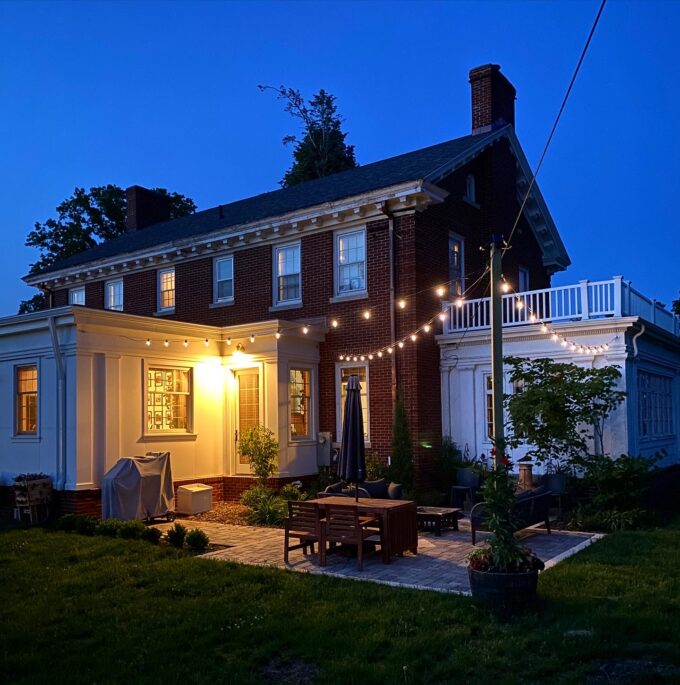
column 372, row 206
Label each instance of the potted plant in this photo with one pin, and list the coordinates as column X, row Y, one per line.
column 503, row 574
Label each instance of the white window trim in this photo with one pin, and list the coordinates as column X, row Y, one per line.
column 310, row 437
column 275, row 250
column 460, row 239
column 222, row 300
column 72, row 292
column 25, row 437
column 159, row 275
column 338, row 399
column 176, row 432
column 107, row 302
column 351, row 294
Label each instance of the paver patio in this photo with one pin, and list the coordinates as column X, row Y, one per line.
column 439, row 564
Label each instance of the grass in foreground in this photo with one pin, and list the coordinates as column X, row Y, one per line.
column 95, row 610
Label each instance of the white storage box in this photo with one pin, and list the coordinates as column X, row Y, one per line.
column 194, row 499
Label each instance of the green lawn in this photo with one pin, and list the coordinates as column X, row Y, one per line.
column 94, row 610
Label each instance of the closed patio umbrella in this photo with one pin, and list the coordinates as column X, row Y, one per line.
column 352, row 464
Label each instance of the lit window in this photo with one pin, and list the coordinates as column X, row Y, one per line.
column 456, row 265
column 77, row 296
column 168, row 394
column 655, row 405
column 166, row 289
column 287, row 289
column 113, row 295
column 344, row 372
column 350, row 262
column 27, row 400
column 224, row 279
column 470, row 190
column 488, row 398
column 523, row 280
column 299, row 402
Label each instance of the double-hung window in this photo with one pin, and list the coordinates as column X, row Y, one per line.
column 299, row 398
column 287, row 276
column 113, row 295
column 166, row 290
column 350, row 262
column 26, row 381
column 523, row 281
column 456, row 266
column 168, row 399
column 655, row 405
column 223, row 279
column 343, row 374
column 77, row 296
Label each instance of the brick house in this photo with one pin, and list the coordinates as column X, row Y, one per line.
column 181, row 334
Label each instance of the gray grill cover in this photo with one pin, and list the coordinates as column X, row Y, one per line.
column 138, row 488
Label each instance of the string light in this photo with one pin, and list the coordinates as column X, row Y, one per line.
column 334, row 323
column 520, row 304
column 544, row 328
column 367, row 314
column 442, row 316
column 305, row 330
column 277, row 335
column 402, row 304
column 362, row 358
column 355, row 359
column 252, row 338
column 459, row 302
column 389, row 350
column 532, row 318
column 186, row 343
column 414, row 337
column 380, row 354
column 401, row 344
column 228, row 341
column 505, row 287
column 342, row 356
column 166, row 343
column 370, row 357
column 148, row 342
column 426, row 328
column 206, row 342
column 440, row 291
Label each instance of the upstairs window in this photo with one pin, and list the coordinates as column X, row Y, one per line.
column 113, row 295
column 168, row 399
column 299, row 403
column 350, row 262
column 27, row 400
column 224, row 279
column 523, row 280
column 456, row 265
column 77, row 296
column 470, row 189
column 166, row 289
column 287, row 287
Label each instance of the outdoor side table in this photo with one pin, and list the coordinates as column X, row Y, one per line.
column 436, row 518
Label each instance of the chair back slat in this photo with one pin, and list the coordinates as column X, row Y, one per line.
column 303, row 516
column 342, row 522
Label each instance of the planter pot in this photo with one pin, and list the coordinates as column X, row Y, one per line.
column 503, row 591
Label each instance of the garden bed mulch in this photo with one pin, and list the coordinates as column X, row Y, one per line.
column 223, row 512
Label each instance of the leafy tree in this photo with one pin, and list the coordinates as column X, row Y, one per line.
column 84, row 220
column 401, row 467
column 676, row 306
column 261, row 448
column 322, row 150
column 561, row 408
column 37, row 303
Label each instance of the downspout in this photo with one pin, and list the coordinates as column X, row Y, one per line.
column 393, row 327
column 61, row 406
column 635, row 337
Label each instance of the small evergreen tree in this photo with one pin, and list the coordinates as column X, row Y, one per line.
column 401, row 467
column 322, row 150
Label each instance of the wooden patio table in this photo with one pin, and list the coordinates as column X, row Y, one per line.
column 398, row 518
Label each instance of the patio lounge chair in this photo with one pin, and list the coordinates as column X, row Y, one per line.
column 304, row 523
column 344, row 525
column 377, row 489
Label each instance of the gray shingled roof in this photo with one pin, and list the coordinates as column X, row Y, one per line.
column 411, row 166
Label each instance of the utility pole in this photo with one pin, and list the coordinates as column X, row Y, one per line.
column 497, row 348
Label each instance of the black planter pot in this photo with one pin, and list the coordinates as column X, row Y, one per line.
column 503, row 591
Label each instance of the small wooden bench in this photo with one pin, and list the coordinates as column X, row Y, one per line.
column 436, row 518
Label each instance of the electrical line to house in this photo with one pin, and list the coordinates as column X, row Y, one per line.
column 554, row 127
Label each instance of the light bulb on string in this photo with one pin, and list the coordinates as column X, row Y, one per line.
column 401, row 344
column 459, row 302
column 414, row 337
column 362, row 358
column 228, row 341
column 186, row 343
column 442, row 316
column 305, row 330
column 166, row 343
column 555, row 337
column 426, row 328
column 505, row 287
column 206, row 342
column 519, row 304
column 356, row 359
column 402, row 304
column 440, row 291
column 367, row 314
column 370, row 357
column 252, row 338
column 544, row 328
column 334, row 323
column 148, row 342
column 532, row 318
column 380, row 354
column 277, row 335
column 342, row 356
column 389, row 350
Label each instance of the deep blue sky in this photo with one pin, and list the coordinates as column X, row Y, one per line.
column 164, row 94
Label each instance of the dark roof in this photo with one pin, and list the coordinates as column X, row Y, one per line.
column 410, row 166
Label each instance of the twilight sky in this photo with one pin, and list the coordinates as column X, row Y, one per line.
column 164, row 94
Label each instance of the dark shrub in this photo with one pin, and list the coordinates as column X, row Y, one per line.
column 67, row 522
column 176, row 535
column 131, row 530
column 108, row 528
column 264, row 506
column 197, row 540
column 152, row 535
column 85, row 525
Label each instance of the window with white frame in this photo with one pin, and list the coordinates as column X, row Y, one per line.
column 77, row 296
column 523, row 283
column 168, row 399
column 470, row 189
column 166, row 289
column 224, row 279
column 456, row 266
column 299, row 399
column 350, row 262
column 287, row 286
column 113, row 295
column 342, row 379
column 26, row 388
column 655, row 405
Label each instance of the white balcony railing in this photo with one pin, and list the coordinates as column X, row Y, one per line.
column 585, row 300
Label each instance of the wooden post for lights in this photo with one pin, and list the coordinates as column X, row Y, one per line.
column 497, row 349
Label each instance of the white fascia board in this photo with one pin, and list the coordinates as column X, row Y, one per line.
column 35, row 321
column 374, row 200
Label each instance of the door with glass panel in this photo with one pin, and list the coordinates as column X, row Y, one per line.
column 247, row 410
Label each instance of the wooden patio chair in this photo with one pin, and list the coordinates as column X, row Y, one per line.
column 344, row 525
column 304, row 524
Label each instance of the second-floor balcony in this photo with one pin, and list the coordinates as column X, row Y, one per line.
column 563, row 304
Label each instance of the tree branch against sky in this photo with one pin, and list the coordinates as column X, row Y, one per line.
column 322, row 150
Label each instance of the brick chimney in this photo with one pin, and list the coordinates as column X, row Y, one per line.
column 493, row 99
column 145, row 207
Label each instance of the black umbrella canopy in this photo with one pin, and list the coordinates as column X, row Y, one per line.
column 352, row 464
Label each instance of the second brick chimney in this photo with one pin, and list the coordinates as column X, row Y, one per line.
column 145, row 207
column 493, row 99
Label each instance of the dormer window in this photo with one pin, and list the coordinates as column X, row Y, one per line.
column 470, row 190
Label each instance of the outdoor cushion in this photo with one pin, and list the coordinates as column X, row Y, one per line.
column 395, row 491
column 334, row 488
column 376, row 488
